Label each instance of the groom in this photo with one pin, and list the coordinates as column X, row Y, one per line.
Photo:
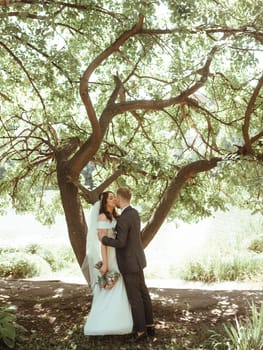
column 131, row 261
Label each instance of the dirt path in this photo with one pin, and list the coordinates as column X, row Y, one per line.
column 223, row 302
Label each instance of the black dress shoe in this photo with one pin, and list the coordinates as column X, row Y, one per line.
column 151, row 331
column 140, row 338
column 131, row 336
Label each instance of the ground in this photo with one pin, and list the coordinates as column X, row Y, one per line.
column 53, row 313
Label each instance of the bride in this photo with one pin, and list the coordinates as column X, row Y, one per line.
column 110, row 309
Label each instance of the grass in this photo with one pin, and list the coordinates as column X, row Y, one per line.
column 237, row 267
column 224, row 248
column 244, row 334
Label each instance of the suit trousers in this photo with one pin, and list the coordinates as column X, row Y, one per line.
column 140, row 301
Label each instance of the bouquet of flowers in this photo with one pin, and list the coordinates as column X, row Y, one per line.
column 108, row 279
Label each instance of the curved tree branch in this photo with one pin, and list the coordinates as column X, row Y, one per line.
column 92, row 196
column 171, row 194
column 89, row 148
column 23, row 15
column 256, row 137
column 129, row 106
column 84, row 82
column 249, row 111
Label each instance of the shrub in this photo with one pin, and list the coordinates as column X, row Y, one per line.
column 7, row 325
column 44, row 253
column 33, row 248
column 67, row 255
column 33, row 260
column 8, row 250
column 22, row 265
column 58, row 258
column 257, row 245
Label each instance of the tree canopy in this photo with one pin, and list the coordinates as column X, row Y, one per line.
column 162, row 96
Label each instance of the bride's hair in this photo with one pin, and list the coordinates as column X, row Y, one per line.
column 103, row 206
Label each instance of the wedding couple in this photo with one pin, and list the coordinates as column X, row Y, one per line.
column 123, row 306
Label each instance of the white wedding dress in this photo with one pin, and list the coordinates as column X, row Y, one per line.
column 110, row 310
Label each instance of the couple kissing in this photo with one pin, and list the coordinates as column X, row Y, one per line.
column 121, row 302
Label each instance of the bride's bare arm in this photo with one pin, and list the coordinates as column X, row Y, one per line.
column 104, row 249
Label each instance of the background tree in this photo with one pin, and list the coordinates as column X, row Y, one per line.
column 144, row 94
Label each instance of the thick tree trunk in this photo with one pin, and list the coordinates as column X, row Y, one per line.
column 76, row 223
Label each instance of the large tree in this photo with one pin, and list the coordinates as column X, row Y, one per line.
column 164, row 97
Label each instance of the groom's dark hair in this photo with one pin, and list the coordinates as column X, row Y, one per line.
column 124, row 192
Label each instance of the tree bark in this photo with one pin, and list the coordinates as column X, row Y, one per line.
column 75, row 219
column 248, row 116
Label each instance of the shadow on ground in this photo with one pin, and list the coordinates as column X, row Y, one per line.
column 56, row 310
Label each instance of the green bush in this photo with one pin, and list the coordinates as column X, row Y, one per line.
column 22, row 265
column 58, row 258
column 8, row 250
column 7, row 325
column 257, row 245
column 44, row 253
column 34, row 260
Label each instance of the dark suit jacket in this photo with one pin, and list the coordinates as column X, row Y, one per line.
column 129, row 250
